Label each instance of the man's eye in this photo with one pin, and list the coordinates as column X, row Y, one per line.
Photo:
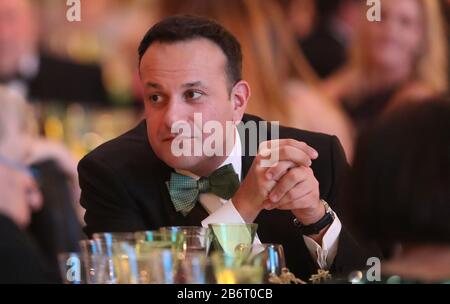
column 155, row 98
column 192, row 95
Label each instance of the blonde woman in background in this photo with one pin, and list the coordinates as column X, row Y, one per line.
column 402, row 58
column 282, row 82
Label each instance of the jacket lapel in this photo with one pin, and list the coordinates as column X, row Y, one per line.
column 247, row 158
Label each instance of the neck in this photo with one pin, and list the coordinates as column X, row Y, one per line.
column 426, row 263
column 208, row 166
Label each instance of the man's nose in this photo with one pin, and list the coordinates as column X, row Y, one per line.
column 176, row 112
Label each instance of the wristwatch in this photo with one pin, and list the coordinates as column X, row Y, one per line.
column 315, row 228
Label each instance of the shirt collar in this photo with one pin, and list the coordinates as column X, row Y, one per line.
column 29, row 65
column 27, row 69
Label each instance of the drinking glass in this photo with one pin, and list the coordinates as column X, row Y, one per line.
column 106, row 244
column 227, row 237
column 148, row 240
column 193, row 239
column 271, row 257
column 163, row 266
column 194, row 268
column 237, row 269
column 125, row 261
column 94, row 261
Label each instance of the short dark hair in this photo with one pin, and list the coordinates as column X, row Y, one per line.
column 399, row 186
column 186, row 27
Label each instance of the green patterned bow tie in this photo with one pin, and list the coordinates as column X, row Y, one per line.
column 184, row 190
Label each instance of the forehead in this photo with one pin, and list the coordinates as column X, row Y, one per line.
column 195, row 58
column 13, row 6
column 407, row 7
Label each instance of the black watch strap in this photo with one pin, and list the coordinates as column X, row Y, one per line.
column 315, row 228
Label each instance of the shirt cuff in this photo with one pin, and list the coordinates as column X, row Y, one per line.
column 325, row 254
column 227, row 214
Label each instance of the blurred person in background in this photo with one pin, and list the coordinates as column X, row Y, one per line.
column 445, row 6
column 327, row 47
column 446, row 9
column 20, row 260
column 402, row 58
column 56, row 227
column 108, row 34
column 404, row 204
column 35, row 75
column 282, row 82
column 301, row 16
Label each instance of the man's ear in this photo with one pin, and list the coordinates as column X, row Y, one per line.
column 240, row 94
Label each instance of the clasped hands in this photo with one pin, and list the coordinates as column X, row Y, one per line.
column 289, row 184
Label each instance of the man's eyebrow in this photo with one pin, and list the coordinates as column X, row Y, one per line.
column 153, row 85
column 186, row 85
column 193, row 84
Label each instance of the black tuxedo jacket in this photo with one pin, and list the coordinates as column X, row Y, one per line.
column 123, row 189
column 66, row 81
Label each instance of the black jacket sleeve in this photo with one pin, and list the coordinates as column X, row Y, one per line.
column 109, row 206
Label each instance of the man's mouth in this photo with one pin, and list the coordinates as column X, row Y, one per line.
column 179, row 137
column 169, row 137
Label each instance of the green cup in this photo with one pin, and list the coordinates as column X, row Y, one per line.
column 228, row 238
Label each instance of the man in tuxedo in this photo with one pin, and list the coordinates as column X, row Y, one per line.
column 191, row 66
column 35, row 75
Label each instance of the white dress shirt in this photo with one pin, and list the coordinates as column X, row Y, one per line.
column 28, row 68
column 223, row 212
